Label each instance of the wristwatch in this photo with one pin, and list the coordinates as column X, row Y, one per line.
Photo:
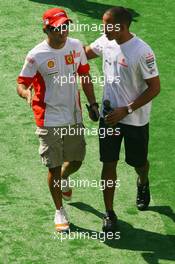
column 130, row 110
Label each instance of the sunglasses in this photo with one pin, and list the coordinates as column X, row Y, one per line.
column 61, row 28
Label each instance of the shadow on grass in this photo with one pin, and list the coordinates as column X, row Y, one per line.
column 154, row 246
column 164, row 210
column 91, row 9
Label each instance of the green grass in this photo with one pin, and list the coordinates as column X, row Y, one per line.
column 26, row 216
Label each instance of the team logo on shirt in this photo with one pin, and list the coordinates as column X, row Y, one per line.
column 150, row 60
column 69, row 59
column 51, row 64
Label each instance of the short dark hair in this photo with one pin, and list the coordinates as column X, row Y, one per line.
column 121, row 15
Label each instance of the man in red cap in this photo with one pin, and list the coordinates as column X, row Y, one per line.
column 56, row 104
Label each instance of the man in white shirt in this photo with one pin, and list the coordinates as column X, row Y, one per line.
column 51, row 68
column 131, row 82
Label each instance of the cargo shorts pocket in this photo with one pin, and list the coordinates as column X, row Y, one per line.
column 44, row 153
column 44, row 147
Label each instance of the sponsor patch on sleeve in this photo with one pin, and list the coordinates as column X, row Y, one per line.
column 30, row 60
column 150, row 61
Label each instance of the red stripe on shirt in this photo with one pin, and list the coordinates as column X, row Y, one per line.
column 27, row 81
column 38, row 104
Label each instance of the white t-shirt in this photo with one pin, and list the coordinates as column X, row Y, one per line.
column 52, row 72
column 126, row 67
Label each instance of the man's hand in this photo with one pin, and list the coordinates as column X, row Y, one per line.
column 93, row 112
column 25, row 93
column 28, row 96
column 115, row 116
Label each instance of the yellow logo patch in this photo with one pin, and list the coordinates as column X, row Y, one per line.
column 51, row 64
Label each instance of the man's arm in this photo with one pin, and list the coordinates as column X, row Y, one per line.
column 90, row 53
column 87, row 86
column 152, row 91
column 95, row 49
column 88, row 89
column 25, row 78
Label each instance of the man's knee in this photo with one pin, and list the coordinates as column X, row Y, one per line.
column 110, row 165
column 75, row 165
column 54, row 173
column 55, row 169
column 109, row 168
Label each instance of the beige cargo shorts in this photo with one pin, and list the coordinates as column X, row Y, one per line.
column 59, row 144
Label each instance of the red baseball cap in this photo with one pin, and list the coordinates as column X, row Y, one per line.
column 55, row 17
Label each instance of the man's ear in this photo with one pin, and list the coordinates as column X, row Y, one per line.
column 122, row 27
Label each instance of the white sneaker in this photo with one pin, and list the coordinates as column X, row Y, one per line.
column 61, row 220
column 66, row 190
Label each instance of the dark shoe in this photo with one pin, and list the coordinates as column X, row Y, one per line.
column 110, row 222
column 143, row 196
